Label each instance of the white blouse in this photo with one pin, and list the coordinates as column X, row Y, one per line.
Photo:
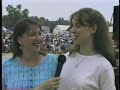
column 93, row 73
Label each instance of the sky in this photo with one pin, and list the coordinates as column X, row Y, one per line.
column 53, row 9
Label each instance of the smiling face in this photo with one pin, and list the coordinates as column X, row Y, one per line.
column 31, row 41
column 82, row 34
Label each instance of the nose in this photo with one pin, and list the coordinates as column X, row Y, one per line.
column 72, row 30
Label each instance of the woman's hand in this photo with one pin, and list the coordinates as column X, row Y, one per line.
column 52, row 84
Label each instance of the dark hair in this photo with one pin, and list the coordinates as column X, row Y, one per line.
column 101, row 40
column 20, row 28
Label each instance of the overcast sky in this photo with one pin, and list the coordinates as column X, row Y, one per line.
column 53, row 9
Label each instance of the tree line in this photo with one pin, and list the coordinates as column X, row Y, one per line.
column 16, row 13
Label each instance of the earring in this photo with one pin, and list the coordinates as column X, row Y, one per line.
column 20, row 47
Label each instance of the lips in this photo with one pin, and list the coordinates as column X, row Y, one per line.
column 75, row 35
column 36, row 44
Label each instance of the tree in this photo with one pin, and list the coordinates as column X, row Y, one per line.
column 14, row 14
column 42, row 21
column 35, row 18
column 25, row 13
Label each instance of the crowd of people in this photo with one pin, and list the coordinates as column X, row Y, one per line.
column 58, row 43
column 6, row 41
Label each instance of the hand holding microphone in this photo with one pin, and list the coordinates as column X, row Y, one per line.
column 53, row 84
column 50, row 84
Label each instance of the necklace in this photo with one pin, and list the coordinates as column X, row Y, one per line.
column 78, row 63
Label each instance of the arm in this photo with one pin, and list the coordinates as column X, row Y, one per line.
column 3, row 84
column 107, row 79
column 3, row 81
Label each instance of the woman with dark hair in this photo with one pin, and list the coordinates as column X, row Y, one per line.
column 30, row 67
column 88, row 65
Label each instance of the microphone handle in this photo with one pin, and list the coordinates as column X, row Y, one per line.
column 58, row 70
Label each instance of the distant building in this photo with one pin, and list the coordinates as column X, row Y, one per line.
column 3, row 29
column 46, row 29
column 111, row 31
column 61, row 29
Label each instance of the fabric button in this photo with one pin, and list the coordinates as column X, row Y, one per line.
column 31, row 86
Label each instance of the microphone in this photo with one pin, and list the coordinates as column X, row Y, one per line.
column 61, row 61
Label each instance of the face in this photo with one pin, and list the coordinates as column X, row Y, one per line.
column 82, row 34
column 32, row 40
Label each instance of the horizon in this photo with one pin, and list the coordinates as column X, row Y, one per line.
column 53, row 10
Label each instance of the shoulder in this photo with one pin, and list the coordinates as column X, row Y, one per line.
column 52, row 57
column 66, row 54
column 103, row 62
column 69, row 56
column 8, row 63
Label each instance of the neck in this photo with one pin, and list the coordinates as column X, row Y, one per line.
column 87, row 49
column 31, row 59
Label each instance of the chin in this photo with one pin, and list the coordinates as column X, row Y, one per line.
column 77, row 42
column 36, row 51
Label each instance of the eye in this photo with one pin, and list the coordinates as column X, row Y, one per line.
column 70, row 27
column 31, row 34
column 39, row 34
column 77, row 25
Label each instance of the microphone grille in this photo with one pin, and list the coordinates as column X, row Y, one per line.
column 61, row 59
